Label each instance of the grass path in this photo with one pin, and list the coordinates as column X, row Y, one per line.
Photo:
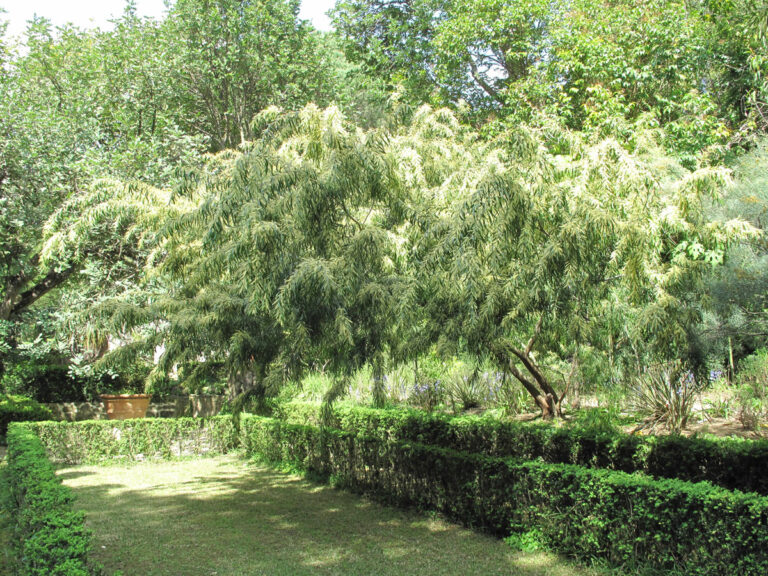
column 227, row 517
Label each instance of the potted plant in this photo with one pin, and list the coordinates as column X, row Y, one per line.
column 125, row 406
column 123, row 400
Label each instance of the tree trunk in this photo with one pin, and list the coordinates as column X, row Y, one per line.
column 534, row 380
column 548, row 401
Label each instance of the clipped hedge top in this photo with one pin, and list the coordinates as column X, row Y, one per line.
column 52, row 538
column 94, row 441
column 631, row 520
column 733, row 463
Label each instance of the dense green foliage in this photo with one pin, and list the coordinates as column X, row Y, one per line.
column 320, row 244
column 229, row 194
column 20, row 409
column 628, row 520
column 507, row 478
column 138, row 102
column 52, row 538
column 566, row 195
column 732, row 463
column 131, row 440
column 696, row 68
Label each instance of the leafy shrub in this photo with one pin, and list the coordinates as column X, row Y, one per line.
column 52, row 538
column 426, row 394
column 719, row 407
column 102, row 440
column 19, row 409
column 599, row 421
column 46, row 382
column 752, row 392
column 397, row 386
column 464, row 387
column 510, row 398
column 665, row 396
column 161, row 386
column 629, row 520
column 732, row 463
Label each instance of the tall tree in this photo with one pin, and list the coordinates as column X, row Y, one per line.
column 71, row 114
column 228, row 60
column 532, row 257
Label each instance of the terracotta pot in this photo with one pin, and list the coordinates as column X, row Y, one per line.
column 125, row 406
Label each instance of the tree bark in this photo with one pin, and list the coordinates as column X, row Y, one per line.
column 535, row 382
column 17, row 300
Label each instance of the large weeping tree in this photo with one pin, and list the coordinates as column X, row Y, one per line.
column 321, row 246
column 530, row 259
column 294, row 254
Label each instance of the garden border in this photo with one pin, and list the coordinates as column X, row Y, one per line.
column 52, row 539
column 732, row 463
column 628, row 520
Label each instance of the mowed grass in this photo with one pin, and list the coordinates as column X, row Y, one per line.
column 226, row 517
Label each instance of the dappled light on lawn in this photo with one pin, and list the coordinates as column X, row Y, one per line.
column 226, row 516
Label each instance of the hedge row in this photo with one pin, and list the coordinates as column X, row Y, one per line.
column 629, row 520
column 102, row 440
column 14, row 408
column 732, row 463
column 52, row 538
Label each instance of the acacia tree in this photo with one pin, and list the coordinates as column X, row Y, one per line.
column 319, row 246
column 529, row 259
column 293, row 254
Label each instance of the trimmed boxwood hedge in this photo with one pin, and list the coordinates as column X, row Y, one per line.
column 732, row 463
column 52, row 538
column 627, row 519
column 97, row 441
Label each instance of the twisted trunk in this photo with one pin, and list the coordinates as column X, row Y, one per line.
column 532, row 378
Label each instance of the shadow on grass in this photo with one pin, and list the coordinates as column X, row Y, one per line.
column 71, row 474
column 227, row 517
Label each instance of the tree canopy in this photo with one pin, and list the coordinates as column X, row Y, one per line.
column 543, row 184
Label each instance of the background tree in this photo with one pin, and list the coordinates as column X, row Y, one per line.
column 62, row 130
column 599, row 66
column 228, row 60
column 736, row 324
column 393, row 40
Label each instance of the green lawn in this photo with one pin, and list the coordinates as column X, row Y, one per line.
column 225, row 517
